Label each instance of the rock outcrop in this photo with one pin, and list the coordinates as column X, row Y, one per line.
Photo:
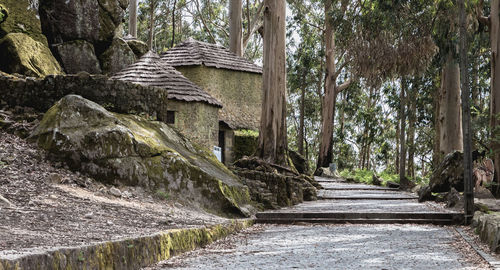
column 130, row 150
column 450, row 173
column 138, row 47
column 76, row 56
column 299, row 162
column 24, row 55
column 90, row 27
column 117, row 57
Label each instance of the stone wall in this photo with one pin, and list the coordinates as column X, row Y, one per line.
column 488, row 228
column 197, row 121
column 239, row 92
column 245, row 143
column 117, row 96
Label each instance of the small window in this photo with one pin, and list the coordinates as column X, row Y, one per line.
column 170, row 117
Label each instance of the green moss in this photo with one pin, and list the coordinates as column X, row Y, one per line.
column 21, row 18
column 4, row 13
column 245, row 143
column 21, row 54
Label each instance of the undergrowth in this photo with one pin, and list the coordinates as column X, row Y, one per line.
column 366, row 176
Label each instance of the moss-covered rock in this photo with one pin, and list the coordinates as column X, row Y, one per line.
column 4, row 13
column 76, row 56
column 130, row 150
column 117, row 57
column 139, row 48
column 19, row 16
column 21, row 54
column 450, row 173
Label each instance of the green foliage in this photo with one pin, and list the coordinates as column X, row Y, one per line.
column 366, row 176
column 162, row 194
column 245, row 143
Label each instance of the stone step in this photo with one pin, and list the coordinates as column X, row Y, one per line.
column 361, row 188
column 361, row 217
column 402, row 197
column 359, row 221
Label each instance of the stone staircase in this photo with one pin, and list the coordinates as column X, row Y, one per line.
column 346, row 203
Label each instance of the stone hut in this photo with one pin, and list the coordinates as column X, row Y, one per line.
column 235, row 81
column 190, row 110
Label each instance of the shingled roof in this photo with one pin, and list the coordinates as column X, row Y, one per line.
column 196, row 53
column 150, row 70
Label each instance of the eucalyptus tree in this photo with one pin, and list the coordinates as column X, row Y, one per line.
column 132, row 26
column 272, row 145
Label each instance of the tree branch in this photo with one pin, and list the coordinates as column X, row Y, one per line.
column 343, row 86
column 480, row 16
column 203, row 21
column 253, row 25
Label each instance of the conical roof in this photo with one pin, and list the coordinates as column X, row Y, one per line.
column 150, row 70
column 196, row 53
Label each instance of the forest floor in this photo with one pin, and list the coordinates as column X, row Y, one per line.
column 51, row 206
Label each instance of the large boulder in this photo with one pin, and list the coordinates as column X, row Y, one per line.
column 21, row 54
column 450, row 173
column 20, row 16
column 64, row 20
column 76, row 56
column 130, row 150
column 139, row 48
column 117, row 57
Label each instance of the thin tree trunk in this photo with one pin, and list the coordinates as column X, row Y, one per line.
column 437, row 157
column 328, row 108
column 302, row 118
column 272, row 137
column 412, row 118
column 235, row 27
column 402, row 160
column 398, row 131
column 152, row 8
column 173, row 24
column 450, row 113
column 132, row 23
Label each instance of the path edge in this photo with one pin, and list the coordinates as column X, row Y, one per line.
column 487, row 257
column 132, row 253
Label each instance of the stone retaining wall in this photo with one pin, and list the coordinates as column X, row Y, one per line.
column 275, row 190
column 116, row 96
column 488, row 228
column 125, row 254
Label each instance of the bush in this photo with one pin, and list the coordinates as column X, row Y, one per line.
column 366, row 176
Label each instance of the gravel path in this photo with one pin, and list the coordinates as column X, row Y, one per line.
column 334, row 247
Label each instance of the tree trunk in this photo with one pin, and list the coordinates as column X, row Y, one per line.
column 450, row 112
column 328, row 108
column 235, row 27
column 132, row 22
column 437, row 157
column 402, row 139
column 412, row 118
column 398, row 131
column 272, row 137
column 152, row 8
column 302, row 118
column 173, row 24
column 495, row 82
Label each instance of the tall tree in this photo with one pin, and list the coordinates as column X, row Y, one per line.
column 493, row 23
column 450, row 114
column 402, row 136
column 235, row 27
column 132, row 25
column 272, row 137
column 331, row 91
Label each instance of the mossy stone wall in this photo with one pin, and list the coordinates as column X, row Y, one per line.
column 116, row 96
column 197, row 121
column 240, row 93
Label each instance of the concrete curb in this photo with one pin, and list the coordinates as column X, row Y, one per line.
column 487, row 257
column 126, row 254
